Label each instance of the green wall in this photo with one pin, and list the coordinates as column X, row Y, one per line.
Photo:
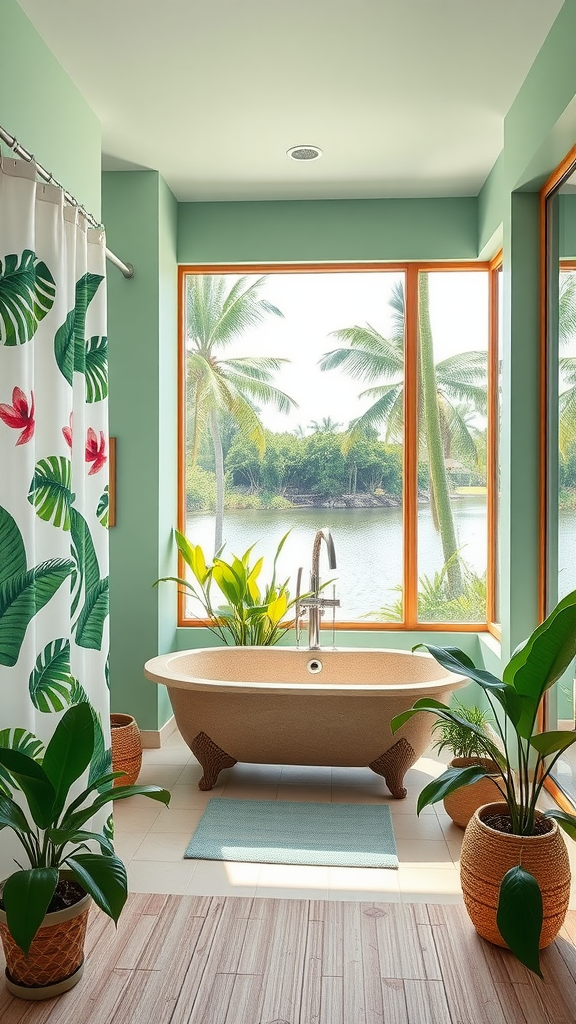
column 140, row 213
column 41, row 106
column 328, row 230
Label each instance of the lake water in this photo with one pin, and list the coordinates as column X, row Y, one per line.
column 368, row 543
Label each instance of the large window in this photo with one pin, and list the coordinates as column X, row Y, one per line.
column 356, row 398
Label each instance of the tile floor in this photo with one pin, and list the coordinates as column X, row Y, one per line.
column 151, row 838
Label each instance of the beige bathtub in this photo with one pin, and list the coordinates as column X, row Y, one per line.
column 279, row 705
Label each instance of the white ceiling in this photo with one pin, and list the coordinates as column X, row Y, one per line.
column 405, row 97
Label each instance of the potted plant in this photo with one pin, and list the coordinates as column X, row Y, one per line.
column 514, row 865
column 254, row 616
column 44, row 905
column 467, row 750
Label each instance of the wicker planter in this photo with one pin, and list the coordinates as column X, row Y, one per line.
column 460, row 806
column 486, row 857
column 55, row 960
column 126, row 749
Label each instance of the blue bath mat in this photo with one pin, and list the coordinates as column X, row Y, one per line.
column 287, row 832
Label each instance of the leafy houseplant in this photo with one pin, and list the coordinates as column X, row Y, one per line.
column 51, row 831
column 253, row 616
column 459, row 738
column 525, row 761
column 467, row 750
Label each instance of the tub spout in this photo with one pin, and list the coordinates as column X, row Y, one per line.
column 316, row 604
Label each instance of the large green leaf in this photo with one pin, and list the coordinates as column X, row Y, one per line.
column 21, row 597
column 101, row 761
column 456, row 661
column 26, row 897
column 26, row 743
column 33, row 782
column 79, row 817
column 50, row 490
column 565, row 820
column 83, row 550
column 519, row 916
column 96, row 369
column 27, row 293
column 12, row 815
column 103, row 508
column 69, row 345
column 69, row 751
column 449, row 782
column 90, row 623
column 12, row 551
column 546, row 654
column 50, row 682
column 104, row 878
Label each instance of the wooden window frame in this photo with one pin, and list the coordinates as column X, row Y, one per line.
column 411, row 271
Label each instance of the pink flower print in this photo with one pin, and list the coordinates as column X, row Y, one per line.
column 67, row 431
column 95, row 450
column 19, row 415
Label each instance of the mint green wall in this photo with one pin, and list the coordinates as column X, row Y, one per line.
column 328, row 230
column 41, row 106
column 140, row 214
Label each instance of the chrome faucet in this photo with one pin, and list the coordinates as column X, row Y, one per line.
column 314, row 603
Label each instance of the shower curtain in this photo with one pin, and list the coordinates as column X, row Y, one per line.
column 54, row 635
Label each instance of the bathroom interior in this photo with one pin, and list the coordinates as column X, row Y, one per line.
column 464, row 166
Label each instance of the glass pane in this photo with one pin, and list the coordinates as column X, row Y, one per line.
column 452, row 378
column 294, row 394
column 497, row 427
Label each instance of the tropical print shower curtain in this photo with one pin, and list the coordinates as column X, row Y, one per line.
column 54, row 636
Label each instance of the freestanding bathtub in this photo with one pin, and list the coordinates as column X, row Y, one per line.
column 280, row 705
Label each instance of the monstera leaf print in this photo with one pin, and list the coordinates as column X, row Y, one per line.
column 69, row 345
column 26, row 743
column 27, row 293
column 23, row 591
column 51, row 682
column 50, row 491
column 103, row 507
column 89, row 625
column 96, row 369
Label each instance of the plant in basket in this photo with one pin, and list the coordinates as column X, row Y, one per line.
column 44, row 903
column 514, row 864
column 467, row 750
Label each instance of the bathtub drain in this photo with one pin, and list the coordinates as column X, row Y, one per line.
column 314, row 666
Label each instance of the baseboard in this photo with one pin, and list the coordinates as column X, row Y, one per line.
column 566, row 723
column 156, row 737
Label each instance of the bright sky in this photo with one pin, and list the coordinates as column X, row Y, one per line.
column 314, row 305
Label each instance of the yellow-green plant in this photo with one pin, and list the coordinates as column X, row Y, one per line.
column 255, row 614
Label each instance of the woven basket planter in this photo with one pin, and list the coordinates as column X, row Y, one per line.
column 126, row 748
column 55, row 960
column 488, row 854
column 460, row 806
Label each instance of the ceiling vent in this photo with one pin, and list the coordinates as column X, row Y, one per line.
column 304, row 153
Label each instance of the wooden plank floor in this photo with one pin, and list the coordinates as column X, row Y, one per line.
column 234, row 960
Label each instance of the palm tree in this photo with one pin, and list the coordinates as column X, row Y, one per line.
column 446, row 390
column 567, row 364
column 216, row 315
column 324, row 426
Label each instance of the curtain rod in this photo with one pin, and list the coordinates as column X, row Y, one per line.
column 13, row 144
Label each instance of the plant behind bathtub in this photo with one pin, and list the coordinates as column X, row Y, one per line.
column 253, row 616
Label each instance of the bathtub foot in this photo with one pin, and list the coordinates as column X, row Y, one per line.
column 393, row 766
column 212, row 759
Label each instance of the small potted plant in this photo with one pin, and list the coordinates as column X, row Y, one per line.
column 467, row 749
column 514, row 865
column 254, row 615
column 44, row 905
